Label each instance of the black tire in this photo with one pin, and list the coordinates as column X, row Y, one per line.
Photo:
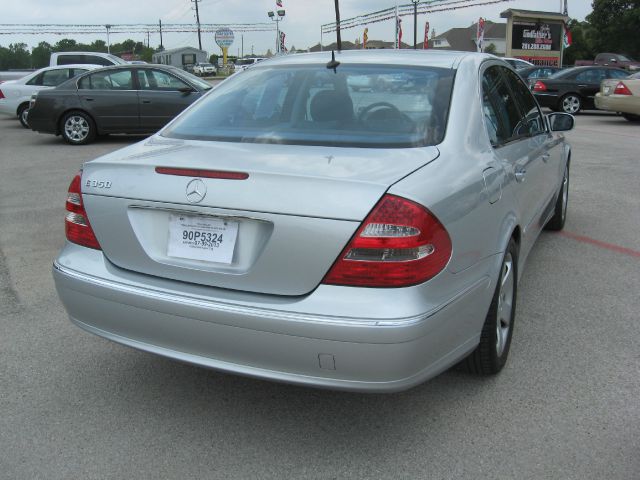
column 23, row 111
column 491, row 354
column 556, row 223
column 570, row 103
column 631, row 117
column 77, row 128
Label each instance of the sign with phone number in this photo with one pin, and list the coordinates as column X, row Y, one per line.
column 202, row 238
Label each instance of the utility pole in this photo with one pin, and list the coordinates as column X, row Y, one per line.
column 148, row 45
column 415, row 23
column 108, row 41
column 160, row 22
column 198, row 22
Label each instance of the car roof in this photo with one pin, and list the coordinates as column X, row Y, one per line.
column 443, row 59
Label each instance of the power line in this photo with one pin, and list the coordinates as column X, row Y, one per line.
column 427, row 6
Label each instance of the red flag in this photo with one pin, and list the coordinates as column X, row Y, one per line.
column 426, row 36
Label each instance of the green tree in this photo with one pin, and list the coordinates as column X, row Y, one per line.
column 99, row 46
column 40, row 55
column 491, row 48
column 581, row 47
column 19, row 56
column 615, row 26
column 65, row 45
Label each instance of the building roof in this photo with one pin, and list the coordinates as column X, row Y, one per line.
column 511, row 12
column 464, row 39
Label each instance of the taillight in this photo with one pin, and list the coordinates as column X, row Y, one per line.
column 76, row 223
column 622, row 89
column 1, row 94
column 539, row 87
column 399, row 244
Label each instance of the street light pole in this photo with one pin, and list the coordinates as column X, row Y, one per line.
column 108, row 41
column 277, row 17
column 415, row 23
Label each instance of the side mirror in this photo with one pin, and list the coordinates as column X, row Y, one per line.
column 614, row 60
column 561, row 122
column 185, row 90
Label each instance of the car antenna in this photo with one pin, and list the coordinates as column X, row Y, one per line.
column 333, row 64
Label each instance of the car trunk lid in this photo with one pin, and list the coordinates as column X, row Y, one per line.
column 286, row 221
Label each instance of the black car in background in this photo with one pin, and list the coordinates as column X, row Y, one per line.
column 573, row 89
column 529, row 73
column 119, row 99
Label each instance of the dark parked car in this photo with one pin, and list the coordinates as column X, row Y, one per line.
column 573, row 89
column 120, row 99
column 531, row 73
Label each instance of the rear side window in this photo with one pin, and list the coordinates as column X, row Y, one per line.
column 109, row 80
column 501, row 113
column 615, row 74
column 158, row 80
column 70, row 59
column 358, row 105
column 52, row 78
column 531, row 122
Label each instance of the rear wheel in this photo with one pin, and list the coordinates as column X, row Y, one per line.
column 560, row 211
column 23, row 111
column 78, row 128
column 571, row 103
column 495, row 339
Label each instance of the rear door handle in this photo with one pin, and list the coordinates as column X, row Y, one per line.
column 146, row 101
column 88, row 99
column 519, row 174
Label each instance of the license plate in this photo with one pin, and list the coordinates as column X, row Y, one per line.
column 606, row 90
column 202, row 238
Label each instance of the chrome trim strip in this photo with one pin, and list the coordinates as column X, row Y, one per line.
column 262, row 312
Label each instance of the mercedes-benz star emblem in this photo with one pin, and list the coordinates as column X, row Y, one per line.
column 196, row 190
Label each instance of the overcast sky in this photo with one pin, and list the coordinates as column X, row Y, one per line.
column 302, row 22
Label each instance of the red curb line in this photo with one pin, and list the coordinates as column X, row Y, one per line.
column 598, row 243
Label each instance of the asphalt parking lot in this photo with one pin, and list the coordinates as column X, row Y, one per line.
column 567, row 405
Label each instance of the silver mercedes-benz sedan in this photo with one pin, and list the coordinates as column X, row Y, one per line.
column 359, row 224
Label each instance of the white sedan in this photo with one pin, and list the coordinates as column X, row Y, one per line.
column 15, row 95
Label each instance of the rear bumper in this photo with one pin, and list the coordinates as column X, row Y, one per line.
column 271, row 341
column 617, row 103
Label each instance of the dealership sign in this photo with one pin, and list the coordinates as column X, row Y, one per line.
column 536, row 36
column 224, row 37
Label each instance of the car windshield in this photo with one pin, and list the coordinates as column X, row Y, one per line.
column 116, row 60
column 357, row 105
column 624, row 58
column 195, row 80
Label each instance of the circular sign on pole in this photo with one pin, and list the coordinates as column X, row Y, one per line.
column 224, row 37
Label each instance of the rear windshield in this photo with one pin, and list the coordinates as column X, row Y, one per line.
column 357, row 106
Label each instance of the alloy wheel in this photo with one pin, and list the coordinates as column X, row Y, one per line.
column 505, row 304
column 76, row 128
column 570, row 104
